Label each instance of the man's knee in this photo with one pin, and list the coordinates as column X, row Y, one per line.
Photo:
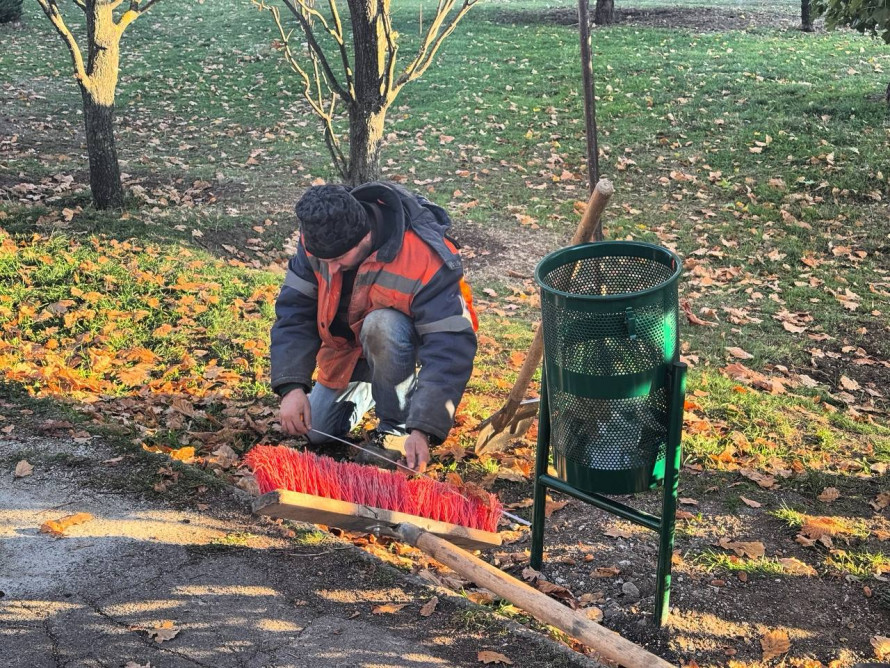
column 384, row 329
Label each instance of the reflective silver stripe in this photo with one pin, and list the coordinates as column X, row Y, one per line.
column 300, row 284
column 319, row 267
column 387, row 279
column 454, row 323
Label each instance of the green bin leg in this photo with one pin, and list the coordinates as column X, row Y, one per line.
column 669, row 504
column 543, row 457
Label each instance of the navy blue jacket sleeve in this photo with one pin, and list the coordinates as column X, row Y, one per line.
column 295, row 340
column 447, row 349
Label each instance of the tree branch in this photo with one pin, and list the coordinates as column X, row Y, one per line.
column 316, row 101
column 434, row 38
column 51, row 10
column 135, row 10
column 148, row 5
column 392, row 48
column 330, row 139
column 341, row 44
column 295, row 64
column 306, row 25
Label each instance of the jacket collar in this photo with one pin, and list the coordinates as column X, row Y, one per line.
column 392, row 223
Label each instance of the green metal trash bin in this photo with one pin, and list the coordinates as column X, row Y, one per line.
column 610, row 314
column 612, row 387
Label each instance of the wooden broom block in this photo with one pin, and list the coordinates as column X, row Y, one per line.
column 356, row 517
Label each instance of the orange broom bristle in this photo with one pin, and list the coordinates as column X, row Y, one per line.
column 278, row 467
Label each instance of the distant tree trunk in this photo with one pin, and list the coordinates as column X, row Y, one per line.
column 10, row 10
column 97, row 78
column 105, row 173
column 806, row 23
column 368, row 79
column 103, row 63
column 604, row 13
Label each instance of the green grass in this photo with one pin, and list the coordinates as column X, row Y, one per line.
column 855, row 528
column 859, row 563
column 718, row 561
column 786, row 230
column 789, row 516
column 235, row 539
column 217, row 145
column 306, row 537
column 476, row 620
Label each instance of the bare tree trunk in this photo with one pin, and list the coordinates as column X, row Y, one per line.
column 98, row 106
column 97, row 79
column 806, row 23
column 368, row 112
column 105, row 173
column 604, row 14
column 365, row 134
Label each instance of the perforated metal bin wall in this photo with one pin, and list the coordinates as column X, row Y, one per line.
column 610, row 320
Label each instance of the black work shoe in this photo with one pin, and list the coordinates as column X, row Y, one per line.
column 381, row 449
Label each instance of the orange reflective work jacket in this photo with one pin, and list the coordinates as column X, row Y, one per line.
column 416, row 271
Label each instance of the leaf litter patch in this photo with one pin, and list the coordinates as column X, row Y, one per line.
column 700, row 19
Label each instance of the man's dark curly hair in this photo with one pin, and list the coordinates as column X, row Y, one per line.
column 332, row 222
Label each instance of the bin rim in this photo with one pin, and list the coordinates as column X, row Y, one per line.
column 548, row 263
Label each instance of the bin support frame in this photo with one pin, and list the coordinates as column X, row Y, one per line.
column 663, row 525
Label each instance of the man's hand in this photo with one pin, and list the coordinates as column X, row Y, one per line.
column 295, row 413
column 417, row 450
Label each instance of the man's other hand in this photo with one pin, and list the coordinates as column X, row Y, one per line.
column 295, row 413
column 417, row 451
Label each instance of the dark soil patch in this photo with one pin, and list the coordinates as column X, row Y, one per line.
column 699, row 19
column 493, row 254
column 716, row 615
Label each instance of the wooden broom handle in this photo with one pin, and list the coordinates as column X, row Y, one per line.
column 529, row 366
column 607, row 643
column 588, row 228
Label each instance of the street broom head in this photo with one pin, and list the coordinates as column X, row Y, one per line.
column 278, row 467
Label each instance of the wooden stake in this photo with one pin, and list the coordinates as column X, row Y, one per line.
column 607, row 643
column 496, row 432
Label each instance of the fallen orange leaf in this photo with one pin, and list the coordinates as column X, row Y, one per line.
column 22, row 469
column 817, row 527
column 882, row 647
column 486, row 656
column 429, row 607
column 763, row 480
column 58, row 527
column 797, row 567
column 753, row 549
column 551, row 507
column 163, row 632
column 774, row 643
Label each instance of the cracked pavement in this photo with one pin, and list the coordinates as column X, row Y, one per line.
column 239, row 594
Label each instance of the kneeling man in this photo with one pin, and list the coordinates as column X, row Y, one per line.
column 375, row 290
